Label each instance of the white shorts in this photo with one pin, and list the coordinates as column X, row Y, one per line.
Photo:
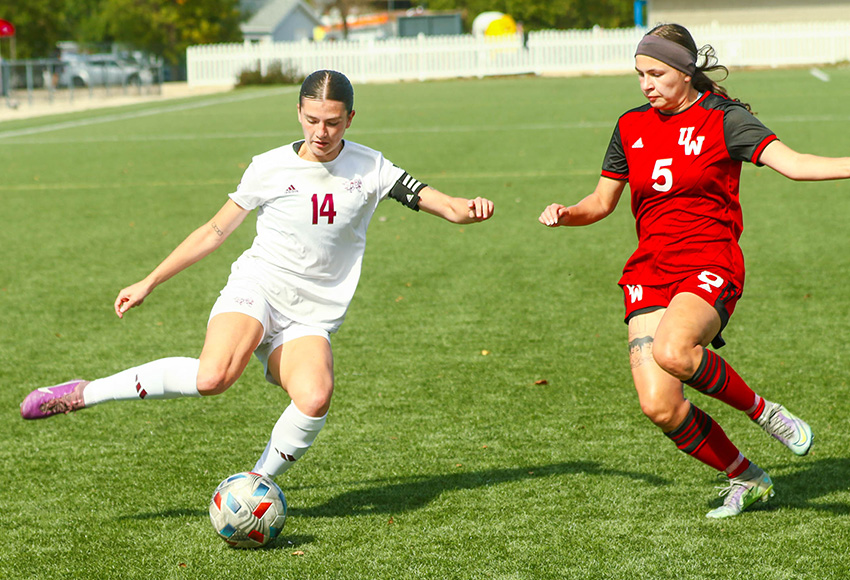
column 277, row 328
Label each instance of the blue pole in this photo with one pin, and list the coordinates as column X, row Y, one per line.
column 640, row 13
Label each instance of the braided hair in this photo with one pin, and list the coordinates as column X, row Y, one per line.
column 328, row 85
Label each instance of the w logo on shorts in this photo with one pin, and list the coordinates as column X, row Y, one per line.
column 635, row 292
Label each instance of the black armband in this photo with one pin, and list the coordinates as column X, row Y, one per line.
column 406, row 191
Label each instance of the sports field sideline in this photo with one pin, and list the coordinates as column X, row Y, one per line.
column 23, row 107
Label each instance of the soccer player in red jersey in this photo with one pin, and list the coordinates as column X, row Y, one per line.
column 681, row 156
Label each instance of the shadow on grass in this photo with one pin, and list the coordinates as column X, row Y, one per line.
column 806, row 483
column 813, row 480
column 181, row 513
column 283, row 542
column 411, row 493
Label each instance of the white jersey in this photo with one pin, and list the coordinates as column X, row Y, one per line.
column 311, row 227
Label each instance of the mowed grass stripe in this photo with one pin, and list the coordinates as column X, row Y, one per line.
column 229, row 182
column 355, row 131
column 148, row 112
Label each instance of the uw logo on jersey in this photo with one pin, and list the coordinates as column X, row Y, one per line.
column 355, row 185
column 692, row 147
column 635, row 292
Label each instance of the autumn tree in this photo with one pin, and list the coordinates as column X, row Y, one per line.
column 347, row 8
column 545, row 14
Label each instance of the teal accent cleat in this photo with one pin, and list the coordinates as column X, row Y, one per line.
column 743, row 491
column 787, row 428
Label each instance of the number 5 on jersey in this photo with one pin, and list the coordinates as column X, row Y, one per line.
column 326, row 210
column 662, row 176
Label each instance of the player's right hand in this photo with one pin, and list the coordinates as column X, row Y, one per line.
column 555, row 215
column 130, row 297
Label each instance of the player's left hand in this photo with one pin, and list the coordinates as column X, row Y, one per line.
column 480, row 209
column 555, row 215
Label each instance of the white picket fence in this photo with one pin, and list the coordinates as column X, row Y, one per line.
column 597, row 51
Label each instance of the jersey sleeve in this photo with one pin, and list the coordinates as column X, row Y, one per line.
column 249, row 193
column 746, row 137
column 615, row 165
column 399, row 185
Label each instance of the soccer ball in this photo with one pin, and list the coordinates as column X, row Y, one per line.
column 248, row 510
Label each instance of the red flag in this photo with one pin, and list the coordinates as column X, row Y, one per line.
column 6, row 28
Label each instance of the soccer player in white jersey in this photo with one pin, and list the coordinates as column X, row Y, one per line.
column 286, row 293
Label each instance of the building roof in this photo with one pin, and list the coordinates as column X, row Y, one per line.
column 272, row 13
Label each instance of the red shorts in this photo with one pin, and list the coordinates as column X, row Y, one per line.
column 715, row 288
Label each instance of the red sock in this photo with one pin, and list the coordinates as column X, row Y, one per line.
column 755, row 411
column 715, row 378
column 741, row 468
column 700, row 437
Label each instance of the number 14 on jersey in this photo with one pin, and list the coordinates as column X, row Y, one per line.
column 325, row 210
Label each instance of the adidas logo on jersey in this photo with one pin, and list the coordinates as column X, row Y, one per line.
column 638, row 144
column 410, row 183
column 285, row 456
column 291, row 189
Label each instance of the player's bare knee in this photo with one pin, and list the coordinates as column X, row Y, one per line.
column 672, row 358
column 315, row 402
column 315, row 405
column 661, row 414
column 213, row 381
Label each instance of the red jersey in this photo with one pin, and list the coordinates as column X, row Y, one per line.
column 683, row 172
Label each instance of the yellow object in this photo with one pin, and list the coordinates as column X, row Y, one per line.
column 500, row 26
column 493, row 24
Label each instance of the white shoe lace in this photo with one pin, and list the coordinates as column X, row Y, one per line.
column 733, row 492
column 66, row 403
column 775, row 425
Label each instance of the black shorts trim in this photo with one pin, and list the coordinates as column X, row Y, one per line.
column 642, row 311
column 719, row 305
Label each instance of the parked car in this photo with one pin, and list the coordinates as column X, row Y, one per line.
column 102, row 70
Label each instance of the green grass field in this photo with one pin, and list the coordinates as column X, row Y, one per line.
column 445, row 456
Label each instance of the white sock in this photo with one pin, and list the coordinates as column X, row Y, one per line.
column 292, row 435
column 165, row 378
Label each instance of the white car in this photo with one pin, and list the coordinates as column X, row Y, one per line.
column 102, row 70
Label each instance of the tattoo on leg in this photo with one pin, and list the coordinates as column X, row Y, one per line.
column 640, row 350
column 217, row 229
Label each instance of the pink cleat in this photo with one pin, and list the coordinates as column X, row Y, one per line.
column 46, row 401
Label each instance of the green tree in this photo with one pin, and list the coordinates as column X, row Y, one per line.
column 166, row 27
column 162, row 27
column 39, row 24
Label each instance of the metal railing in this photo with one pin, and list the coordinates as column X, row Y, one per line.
column 35, row 81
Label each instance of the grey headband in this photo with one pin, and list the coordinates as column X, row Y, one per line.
column 669, row 52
